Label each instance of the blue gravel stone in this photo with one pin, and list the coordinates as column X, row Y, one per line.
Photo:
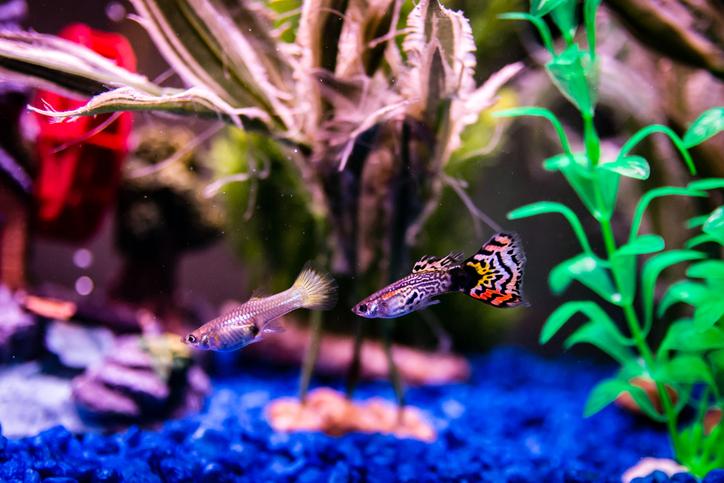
column 715, row 476
column 519, row 419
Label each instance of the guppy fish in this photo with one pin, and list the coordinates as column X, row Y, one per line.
column 253, row 319
column 494, row 275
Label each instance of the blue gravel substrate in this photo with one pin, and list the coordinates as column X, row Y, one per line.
column 517, row 420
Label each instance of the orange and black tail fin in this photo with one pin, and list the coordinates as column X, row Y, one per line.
column 495, row 273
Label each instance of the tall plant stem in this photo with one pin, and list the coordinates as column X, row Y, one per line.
column 355, row 365
column 310, row 356
column 394, row 373
column 593, row 152
column 634, row 326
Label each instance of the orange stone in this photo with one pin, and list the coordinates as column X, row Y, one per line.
column 711, row 419
column 330, row 412
column 624, row 400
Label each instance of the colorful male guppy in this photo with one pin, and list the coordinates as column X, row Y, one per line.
column 253, row 319
column 494, row 275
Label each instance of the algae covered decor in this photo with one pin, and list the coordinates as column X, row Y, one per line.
column 248, row 240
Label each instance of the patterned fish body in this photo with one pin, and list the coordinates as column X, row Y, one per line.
column 493, row 275
column 254, row 319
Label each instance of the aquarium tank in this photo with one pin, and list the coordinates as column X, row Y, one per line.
column 361, row 240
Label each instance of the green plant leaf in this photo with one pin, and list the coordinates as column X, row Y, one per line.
column 709, row 311
column 714, row 225
column 603, row 394
column 604, row 335
column 564, row 16
column 707, row 184
column 644, row 403
column 685, row 369
column 587, row 269
column 700, row 240
column 575, row 74
column 589, row 16
column 683, row 336
column 651, row 195
column 547, row 114
column 717, row 360
column 646, row 131
column 642, row 245
column 682, row 291
column 707, row 125
column 539, row 24
column 623, row 262
column 592, row 310
column 652, row 269
column 635, row 167
column 539, row 8
column 696, row 221
column 584, row 180
column 708, row 270
column 544, row 207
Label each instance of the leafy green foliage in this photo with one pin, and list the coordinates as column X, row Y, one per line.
column 690, row 359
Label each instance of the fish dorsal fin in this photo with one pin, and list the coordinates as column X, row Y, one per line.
column 429, row 263
column 258, row 294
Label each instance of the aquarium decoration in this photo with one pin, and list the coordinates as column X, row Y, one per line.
column 367, row 123
column 686, row 367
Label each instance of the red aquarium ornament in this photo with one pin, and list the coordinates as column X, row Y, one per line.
column 80, row 161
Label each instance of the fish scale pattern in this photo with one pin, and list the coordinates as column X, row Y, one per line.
column 518, row 420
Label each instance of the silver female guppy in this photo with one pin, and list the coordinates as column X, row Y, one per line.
column 253, row 319
column 494, row 275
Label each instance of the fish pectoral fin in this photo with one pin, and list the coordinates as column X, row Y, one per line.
column 274, row 327
column 428, row 304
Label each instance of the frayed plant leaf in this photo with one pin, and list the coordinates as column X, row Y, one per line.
column 49, row 62
column 191, row 101
column 203, row 43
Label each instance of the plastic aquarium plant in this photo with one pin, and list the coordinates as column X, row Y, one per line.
column 690, row 356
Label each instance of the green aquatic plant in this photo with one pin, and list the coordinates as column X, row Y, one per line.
column 690, row 356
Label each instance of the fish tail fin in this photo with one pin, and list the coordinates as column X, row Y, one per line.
column 494, row 274
column 318, row 290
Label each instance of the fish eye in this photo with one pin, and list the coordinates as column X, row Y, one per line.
column 254, row 330
column 191, row 339
column 362, row 307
